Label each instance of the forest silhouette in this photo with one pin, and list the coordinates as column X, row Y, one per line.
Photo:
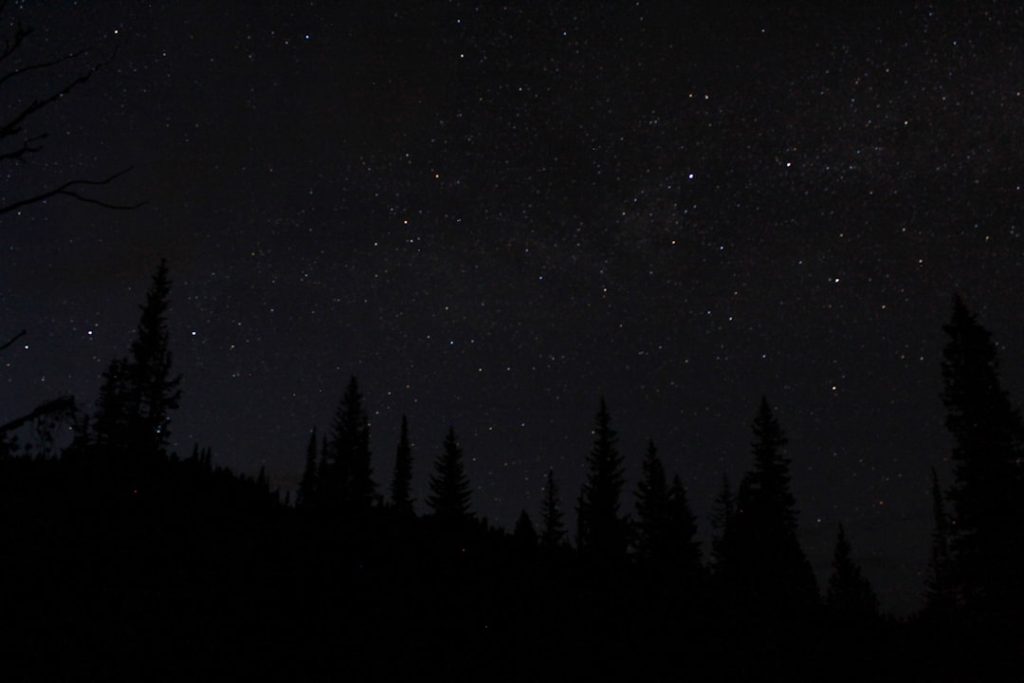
column 122, row 559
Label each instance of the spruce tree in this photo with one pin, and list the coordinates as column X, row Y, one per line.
column 722, row 511
column 601, row 530
column 524, row 534
column 307, row 485
column 849, row 595
column 987, row 493
column 682, row 547
column 349, row 483
column 765, row 560
column 449, row 487
column 153, row 391
column 401, row 480
column 113, row 410
column 553, row 531
column 652, row 509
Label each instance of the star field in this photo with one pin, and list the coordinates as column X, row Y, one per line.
column 492, row 215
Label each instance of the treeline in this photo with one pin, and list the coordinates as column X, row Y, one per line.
column 124, row 560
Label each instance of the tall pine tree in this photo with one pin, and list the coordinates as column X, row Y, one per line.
column 449, row 487
column 349, row 481
column 849, row 595
column 987, row 494
column 652, row 509
column 765, row 564
column 601, row 530
column 153, row 390
column 553, row 531
column 722, row 510
column 683, row 554
column 401, row 480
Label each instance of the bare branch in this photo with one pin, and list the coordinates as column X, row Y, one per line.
column 27, row 147
column 67, row 190
column 13, row 125
column 13, row 339
column 12, row 44
column 41, row 65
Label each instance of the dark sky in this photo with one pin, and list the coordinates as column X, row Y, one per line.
column 492, row 215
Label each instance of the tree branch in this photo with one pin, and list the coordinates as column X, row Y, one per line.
column 12, row 44
column 27, row 147
column 13, row 339
column 13, row 125
column 67, row 190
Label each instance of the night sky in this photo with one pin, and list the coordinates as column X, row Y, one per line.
column 493, row 215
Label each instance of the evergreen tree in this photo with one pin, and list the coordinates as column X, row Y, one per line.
column 524, row 534
column 112, row 409
column 722, row 511
column 349, row 482
column 987, row 494
column 652, row 509
column 307, row 485
column 401, row 481
column 601, row 531
column 764, row 558
column 849, row 594
column 553, row 531
column 449, row 487
column 153, row 391
column 683, row 548
column 939, row 596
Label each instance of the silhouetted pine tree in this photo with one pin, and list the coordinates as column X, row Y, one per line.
column 153, row 391
column 682, row 549
column 763, row 554
column 401, row 480
column 987, row 494
column 553, row 531
column 524, row 534
column 601, row 531
column 113, row 410
column 722, row 511
column 939, row 596
column 849, row 594
column 652, row 509
column 349, row 482
column 449, row 486
column 306, row 495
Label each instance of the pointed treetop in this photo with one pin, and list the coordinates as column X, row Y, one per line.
column 553, row 531
column 401, row 480
column 449, row 486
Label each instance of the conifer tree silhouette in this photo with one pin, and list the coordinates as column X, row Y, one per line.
column 553, row 531
column 449, row 487
column 349, row 482
column 722, row 511
column 652, row 509
column 988, row 490
column 524, row 534
column 683, row 553
column 939, row 596
column 601, row 530
column 306, row 495
column 764, row 558
column 401, row 480
column 153, row 392
column 112, row 410
column 849, row 595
